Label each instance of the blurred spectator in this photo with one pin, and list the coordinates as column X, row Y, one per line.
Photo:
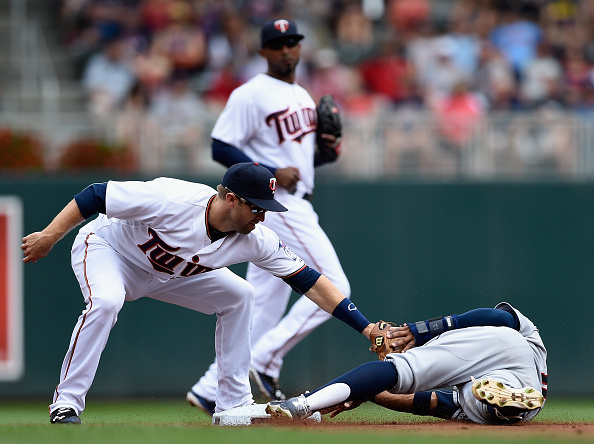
column 221, row 84
column 456, row 118
column 494, row 80
column 230, row 47
column 407, row 15
column 585, row 104
column 441, row 74
column 88, row 23
column 478, row 17
column 73, row 20
column 231, row 44
column 177, row 110
column 541, row 79
column 517, row 37
column 357, row 101
column 328, row 76
column 182, row 40
column 561, row 24
column 152, row 67
column 135, row 128
column 155, row 15
column 362, row 113
column 419, row 50
column 388, row 73
column 466, row 45
column 107, row 79
column 576, row 77
column 354, row 38
column 112, row 16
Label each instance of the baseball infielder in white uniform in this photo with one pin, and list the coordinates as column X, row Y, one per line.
column 272, row 120
column 494, row 358
column 172, row 240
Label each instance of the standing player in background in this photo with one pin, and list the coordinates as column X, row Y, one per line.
column 493, row 357
column 272, row 120
column 172, row 241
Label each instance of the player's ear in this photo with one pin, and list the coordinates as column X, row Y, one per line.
column 231, row 199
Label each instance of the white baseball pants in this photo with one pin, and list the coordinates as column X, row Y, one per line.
column 107, row 279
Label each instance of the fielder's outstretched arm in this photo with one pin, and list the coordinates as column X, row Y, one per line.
column 328, row 297
column 38, row 245
column 85, row 204
column 321, row 291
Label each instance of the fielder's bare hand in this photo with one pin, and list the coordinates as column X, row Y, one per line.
column 403, row 337
column 330, row 139
column 287, row 177
column 37, row 246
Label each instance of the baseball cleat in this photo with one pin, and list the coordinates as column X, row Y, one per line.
column 268, row 386
column 497, row 394
column 203, row 404
column 294, row 408
column 64, row 415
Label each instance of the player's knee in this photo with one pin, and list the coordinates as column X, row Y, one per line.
column 107, row 307
column 241, row 294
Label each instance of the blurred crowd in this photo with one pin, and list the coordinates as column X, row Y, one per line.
column 175, row 61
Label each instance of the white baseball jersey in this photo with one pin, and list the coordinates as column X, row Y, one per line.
column 274, row 123
column 153, row 242
column 160, row 226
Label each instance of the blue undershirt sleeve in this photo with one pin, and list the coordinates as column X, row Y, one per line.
column 487, row 316
column 91, row 200
column 229, row 155
column 303, row 280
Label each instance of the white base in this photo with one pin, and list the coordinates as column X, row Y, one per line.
column 246, row 415
column 249, row 415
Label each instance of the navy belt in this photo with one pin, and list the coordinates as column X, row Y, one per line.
column 308, row 197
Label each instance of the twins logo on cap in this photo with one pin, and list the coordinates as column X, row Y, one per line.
column 273, row 184
column 281, row 25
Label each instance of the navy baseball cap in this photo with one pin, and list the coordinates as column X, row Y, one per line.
column 254, row 183
column 279, row 29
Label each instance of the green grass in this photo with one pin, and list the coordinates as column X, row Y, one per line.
column 173, row 421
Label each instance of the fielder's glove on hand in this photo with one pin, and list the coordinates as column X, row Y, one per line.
column 329, row 122
column 380, row 343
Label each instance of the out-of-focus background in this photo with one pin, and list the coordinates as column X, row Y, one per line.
column 466, row 176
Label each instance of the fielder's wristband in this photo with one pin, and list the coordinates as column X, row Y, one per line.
column 348, row 313
column 423, row 331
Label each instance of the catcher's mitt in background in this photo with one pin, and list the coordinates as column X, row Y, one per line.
column 380, row 344
column 329, row 122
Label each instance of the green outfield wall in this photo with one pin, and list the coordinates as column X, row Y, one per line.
column 411, row 250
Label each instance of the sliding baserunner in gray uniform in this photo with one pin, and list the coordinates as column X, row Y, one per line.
column 494, row 359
